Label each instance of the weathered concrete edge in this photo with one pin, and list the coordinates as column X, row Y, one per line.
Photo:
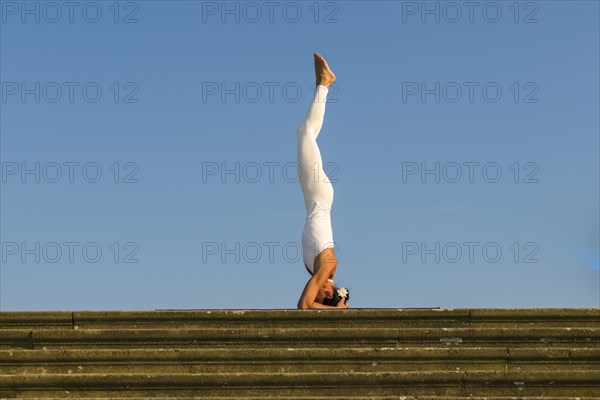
column 166, row 355
column 241, row 315
column 132, row 380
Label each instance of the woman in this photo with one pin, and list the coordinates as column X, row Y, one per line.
column 317, row 237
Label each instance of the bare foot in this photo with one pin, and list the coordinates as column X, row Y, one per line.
column 323, row 74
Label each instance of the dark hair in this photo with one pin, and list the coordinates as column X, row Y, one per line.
column 336, row 297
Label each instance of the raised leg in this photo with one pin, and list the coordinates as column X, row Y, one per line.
column 313, row 180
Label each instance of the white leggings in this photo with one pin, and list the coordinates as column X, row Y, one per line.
column 316, row 188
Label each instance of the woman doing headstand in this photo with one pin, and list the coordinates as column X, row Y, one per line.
column 317, row 237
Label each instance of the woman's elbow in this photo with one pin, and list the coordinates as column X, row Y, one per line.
column 303, row 306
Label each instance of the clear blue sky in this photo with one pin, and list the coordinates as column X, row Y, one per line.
column 425, row 91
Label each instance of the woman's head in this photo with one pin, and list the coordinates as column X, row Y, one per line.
column 333, row 294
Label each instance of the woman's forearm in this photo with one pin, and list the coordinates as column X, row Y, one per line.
column 319, row 306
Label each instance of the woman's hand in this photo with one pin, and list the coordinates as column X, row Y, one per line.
column 342, row 303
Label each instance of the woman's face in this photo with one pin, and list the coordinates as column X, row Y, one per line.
column 325, row 292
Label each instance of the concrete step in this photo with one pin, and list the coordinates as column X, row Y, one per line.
column 455, row 383
column 374, row 397
column 350, row 318
column 209, row 336
column 384, row 359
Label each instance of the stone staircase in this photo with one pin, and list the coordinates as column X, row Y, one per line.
column 412, row 354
